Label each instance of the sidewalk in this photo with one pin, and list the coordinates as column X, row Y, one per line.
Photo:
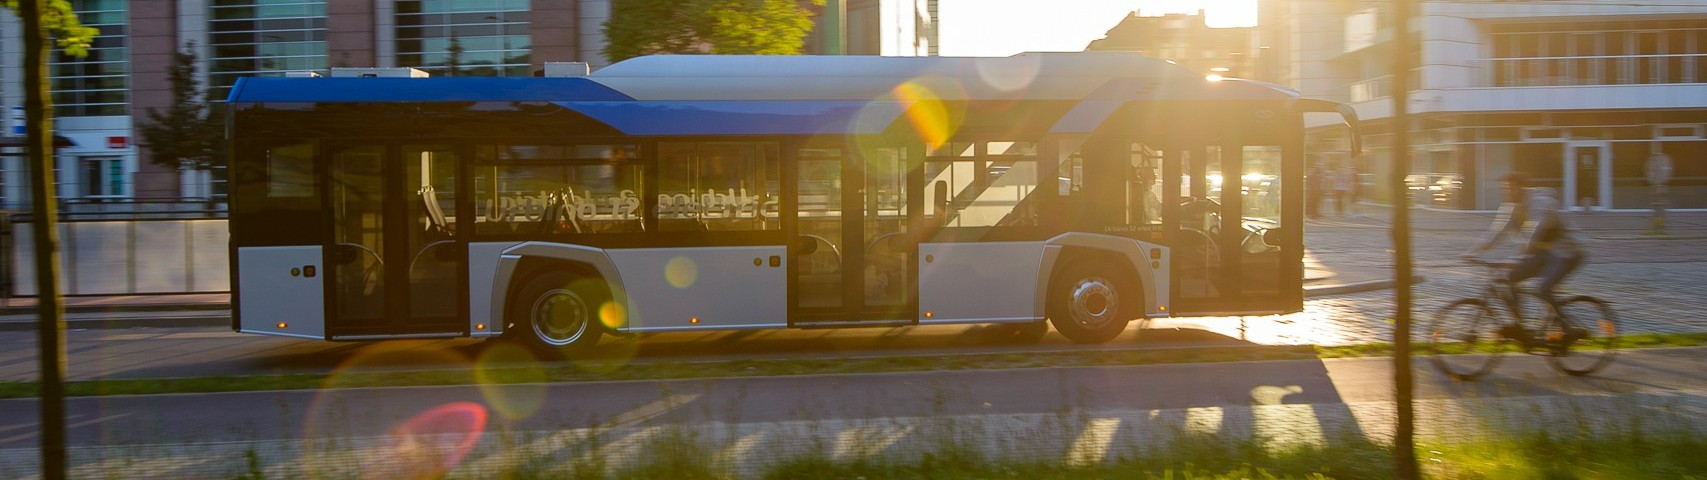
column 1353, row 253
column 128, row 311
column 125, row 303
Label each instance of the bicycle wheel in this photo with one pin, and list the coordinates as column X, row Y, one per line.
column 1585, row 338
column 1464, row 339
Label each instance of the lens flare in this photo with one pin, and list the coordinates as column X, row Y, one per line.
column 932, row 119
column 681, row 272
column 331, row 415
column 613, row 315
column 511, row 380
column 430, row 444
column 1009, row 74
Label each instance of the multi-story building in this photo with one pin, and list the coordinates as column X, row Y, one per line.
column 100, row 99
column 905, row 28
column 1581, row 95
column 1185, row 39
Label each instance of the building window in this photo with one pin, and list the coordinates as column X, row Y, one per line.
column 1622, row 53
column 101, row 177
column 249, row 38
column 97, row 84
column 464, row 37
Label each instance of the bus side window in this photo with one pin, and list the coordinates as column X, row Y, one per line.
column 718, row 186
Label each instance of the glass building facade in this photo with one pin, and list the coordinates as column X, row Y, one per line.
column 249, row 38
column 97, row 84
column 464, row 37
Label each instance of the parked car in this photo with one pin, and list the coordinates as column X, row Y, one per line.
column 1438, row 189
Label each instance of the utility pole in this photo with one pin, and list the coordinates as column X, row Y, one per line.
column 43, row 224
column 1404, row 449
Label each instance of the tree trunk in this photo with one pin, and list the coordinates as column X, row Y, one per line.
column 44, row 224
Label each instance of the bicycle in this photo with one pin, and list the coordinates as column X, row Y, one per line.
column 1468, row 336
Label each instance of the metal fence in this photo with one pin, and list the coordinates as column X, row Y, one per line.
column 156, row 253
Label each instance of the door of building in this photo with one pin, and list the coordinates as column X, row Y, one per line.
column 1588, row 175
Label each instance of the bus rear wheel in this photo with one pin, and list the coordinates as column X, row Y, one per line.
column 1090, row 302
column 559, row 312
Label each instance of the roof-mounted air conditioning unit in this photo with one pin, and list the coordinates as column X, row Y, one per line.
column 399, row 72
column 567, row 69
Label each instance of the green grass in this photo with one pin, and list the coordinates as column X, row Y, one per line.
column 1628, row 454
column 1188, row 457
column 617, row 370
column 1621, row 455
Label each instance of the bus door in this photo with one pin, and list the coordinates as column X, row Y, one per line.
column 853, row 260
column 1236, row 233
column 277, row 235
column 393, row 259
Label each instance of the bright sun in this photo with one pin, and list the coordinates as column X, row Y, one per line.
column 1000, row 28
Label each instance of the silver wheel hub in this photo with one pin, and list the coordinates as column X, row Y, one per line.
column 1095, row 303
column 560, row 317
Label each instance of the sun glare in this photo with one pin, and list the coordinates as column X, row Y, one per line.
column 999, row 28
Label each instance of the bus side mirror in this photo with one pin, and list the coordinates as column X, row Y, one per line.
column 1271, row 236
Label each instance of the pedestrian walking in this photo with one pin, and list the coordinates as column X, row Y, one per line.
column 1342, row 178
column 1313, row 185
column 1356, row 193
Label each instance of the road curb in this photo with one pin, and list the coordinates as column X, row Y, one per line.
column 1357, row 287
column 118, row 323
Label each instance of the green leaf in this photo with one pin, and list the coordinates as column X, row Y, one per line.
column 737, row 27
column 60, row 22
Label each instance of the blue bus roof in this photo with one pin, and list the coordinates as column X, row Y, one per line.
column 449, row 89
column 742, row 117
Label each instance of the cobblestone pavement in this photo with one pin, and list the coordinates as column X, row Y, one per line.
column 1653, row 282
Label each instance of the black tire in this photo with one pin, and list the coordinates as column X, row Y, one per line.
column 1091, row 301
column 1464, row 340
column 1592, row 340
column 558, row 312
column 1018, row 333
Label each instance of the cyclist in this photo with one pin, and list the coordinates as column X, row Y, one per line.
column 1552, row 251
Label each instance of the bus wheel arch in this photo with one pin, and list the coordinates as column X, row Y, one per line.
column 558, row 307
column 1092, row 296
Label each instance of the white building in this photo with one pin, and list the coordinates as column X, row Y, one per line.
column 1579, row 94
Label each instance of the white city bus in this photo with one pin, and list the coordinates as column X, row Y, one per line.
column 685, row 193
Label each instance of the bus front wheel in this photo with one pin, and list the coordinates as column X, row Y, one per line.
column 1088, row 299
column 559, row 312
